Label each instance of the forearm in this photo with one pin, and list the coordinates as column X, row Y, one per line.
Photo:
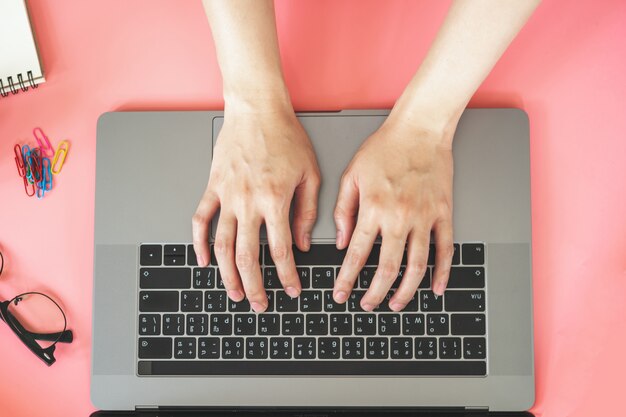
column 246, row 42
column 472, row 38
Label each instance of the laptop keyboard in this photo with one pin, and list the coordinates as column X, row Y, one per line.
column 188, row 325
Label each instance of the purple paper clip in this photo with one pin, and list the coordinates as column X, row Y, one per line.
column 46, row 148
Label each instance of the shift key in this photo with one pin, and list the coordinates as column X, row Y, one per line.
column 158, row 301
column 165, row 278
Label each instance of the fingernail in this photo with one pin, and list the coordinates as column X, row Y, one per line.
column 235, row 295
column 292, row 292
column 200, row 260
column 440, row 287
column 367, row 307
column 341, row 297
column 307, row 241
column 258, row 307
column 339, row 237
column 397, row 306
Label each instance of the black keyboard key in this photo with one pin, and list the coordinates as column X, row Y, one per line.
column 215, row 301
column 316, row 324
column 150, row 255
column 174, row 260
column 256, row 348
column 467, row 277
column 269, row 324
column 173, row 324
column 270, row 278
column 353, row 348
column 365, row 324
column 473, row 253
column 401, row 348
column 474, row 348
column 219, row 283
column 437, row 324
column 232, row 347
column 456, row 257
column 293, row 324
column 318, row 254
column 425, row 282
column 155, row 347
column 464, row 300
column 191, row 256
column 425, row 348
column 191, row 301
column 208, row 348
column 429, row 301
column 221, row 324
column 150, row 324
column 284, row 303
column 341, row 324
column 468, row 324
column 158, row 301
column 197, row 324
column 413, row 304
column 185, row 347
column 330, row 305
column 213, row 257
column 384, row 305
column 280, row 348
column 174, row 250
column 450, row 348
column 305, row 276
column 165, row 278
column 388, row 324
column 328, row 348
column 242, row 306
column 377, row 348
column 398, row 280
column 354, row 300
column 413, row 324
column 365, row 276
column 304, row 348
column 374, row 255
column 311, row 301
column 323, row 278
column 204, row 277
column 245, row 324
column 270, row 301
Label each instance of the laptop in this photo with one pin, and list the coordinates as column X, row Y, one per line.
column 168, row 342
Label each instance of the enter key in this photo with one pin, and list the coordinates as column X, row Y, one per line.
column 473, row 300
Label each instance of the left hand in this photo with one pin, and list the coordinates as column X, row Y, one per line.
column 400, row 185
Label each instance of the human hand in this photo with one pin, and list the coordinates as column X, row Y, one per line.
column 400, row 185
column 260, row 161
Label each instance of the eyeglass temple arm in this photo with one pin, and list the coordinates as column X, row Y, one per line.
column 65, row 336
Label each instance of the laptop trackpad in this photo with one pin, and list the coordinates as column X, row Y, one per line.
column 335, row 139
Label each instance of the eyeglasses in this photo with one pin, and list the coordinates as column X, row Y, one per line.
column 37, row 320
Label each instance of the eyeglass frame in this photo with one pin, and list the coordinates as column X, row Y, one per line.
column 30, row 338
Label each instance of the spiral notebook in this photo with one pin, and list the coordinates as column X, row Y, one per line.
column 20, row 68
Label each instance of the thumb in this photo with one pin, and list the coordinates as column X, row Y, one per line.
column 305, row 211
column 346, row 210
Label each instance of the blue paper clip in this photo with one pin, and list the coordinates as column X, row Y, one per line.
column 40, row 193
column 46, row 174
column 25, row 155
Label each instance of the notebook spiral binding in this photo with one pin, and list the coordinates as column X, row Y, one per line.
column 14, row 87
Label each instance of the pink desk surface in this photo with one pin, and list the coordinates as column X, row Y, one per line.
column 567, row 69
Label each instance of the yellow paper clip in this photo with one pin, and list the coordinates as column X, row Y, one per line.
column 59, row 157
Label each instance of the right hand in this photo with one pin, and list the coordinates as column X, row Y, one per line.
column 262, row 159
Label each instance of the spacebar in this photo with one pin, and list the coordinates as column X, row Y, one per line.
column 343, row 367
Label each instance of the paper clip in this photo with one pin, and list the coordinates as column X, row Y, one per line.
column 59, row 157
column 40, row 193
column 45, row 147
column 46, row 174
column 28, row 185
column 19, row 161
column 25, row 155
column 34, row 163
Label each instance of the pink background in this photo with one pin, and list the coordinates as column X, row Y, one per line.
column 567, row 69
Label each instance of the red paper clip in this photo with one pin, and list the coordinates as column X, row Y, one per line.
column 28, row 185
column 46, row 148
column 19, row 161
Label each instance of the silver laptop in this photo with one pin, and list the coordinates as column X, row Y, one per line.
column 167, row 341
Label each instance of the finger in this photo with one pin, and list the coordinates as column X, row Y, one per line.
column 305, row 212
column 417, row 258
column 200, row 223
column 360, row 247
column 279, row 239
column 346, row 210
column 391, row 252
column 444, row 250
column 247, row 261
column 224, row 247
